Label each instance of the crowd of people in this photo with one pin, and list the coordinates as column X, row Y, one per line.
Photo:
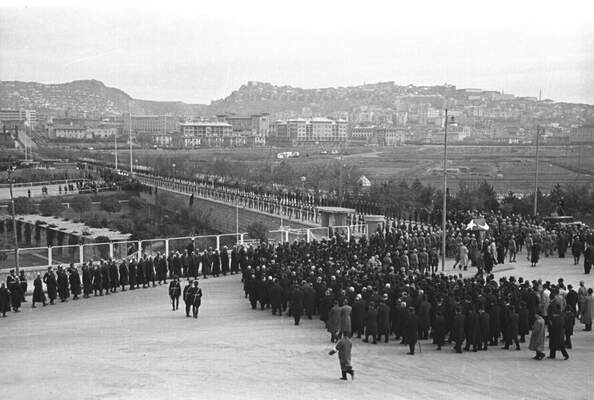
column 388, row 287
column 108, row 277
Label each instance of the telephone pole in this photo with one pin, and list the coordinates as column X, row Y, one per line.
column 14, row 227
column 536, row 174
column 445, row 188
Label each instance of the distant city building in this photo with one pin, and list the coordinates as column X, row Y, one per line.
column 103, row 132
column 29, row 116
column 209, row 134
column 162, row 139
column 149, row 124
column 250, row 130
column 311, row 130
column 71, row 132
column 381, row 135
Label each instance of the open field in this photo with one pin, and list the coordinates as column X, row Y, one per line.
column 131, row 345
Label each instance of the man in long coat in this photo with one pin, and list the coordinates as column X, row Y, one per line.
column 50, row 283
column 345, row 319
column 588, row 311
column 537, row 337
column 74, row 280
column 297, row 303
column 557, row 332
column 14, row 287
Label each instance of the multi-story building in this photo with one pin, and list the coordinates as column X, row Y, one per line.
column 204, row 133
column 312, row 130
column 29, row 116
column 103, row 132
column 149, row 124
column 385, row 135
column 254, row 129
column 71, row 132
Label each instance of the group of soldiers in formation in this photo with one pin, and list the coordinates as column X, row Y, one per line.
column 107, row 277
column 376, row 289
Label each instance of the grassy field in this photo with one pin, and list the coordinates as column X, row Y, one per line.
column 505, row 167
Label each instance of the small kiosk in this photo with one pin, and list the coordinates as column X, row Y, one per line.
column 334, row 216
column 373, row 223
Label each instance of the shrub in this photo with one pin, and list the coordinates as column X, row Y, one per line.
column 257, row 230
column 23, row 205
column 50, row 206
column 81, row 204
column 110, row 204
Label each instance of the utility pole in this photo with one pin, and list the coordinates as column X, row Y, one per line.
column 130, row 137
column 115, row 146
column 14, row 228
column 445, row 188
column 536, row 174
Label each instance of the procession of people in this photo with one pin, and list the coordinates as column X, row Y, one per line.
column 387, row 288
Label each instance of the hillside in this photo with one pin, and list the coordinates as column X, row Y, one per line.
column 84, row 98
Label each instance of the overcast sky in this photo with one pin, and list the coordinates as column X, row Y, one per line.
column 197, row 53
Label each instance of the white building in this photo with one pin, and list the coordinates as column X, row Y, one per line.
column 205, row 133
column 309, row 130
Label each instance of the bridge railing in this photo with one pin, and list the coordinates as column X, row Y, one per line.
column 38, row 258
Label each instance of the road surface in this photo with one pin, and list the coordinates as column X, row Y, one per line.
column 132, row 346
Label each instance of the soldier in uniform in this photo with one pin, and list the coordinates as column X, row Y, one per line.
column 195, row 295
column 174, row 292
column 23, row 283
column 187, row 299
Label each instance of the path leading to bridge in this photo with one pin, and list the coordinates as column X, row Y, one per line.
column 131, row 345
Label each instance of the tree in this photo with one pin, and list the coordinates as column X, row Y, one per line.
column 23, row 205
column 110, row 204
column 50, row 206
column 257, row 230
column 81, row 204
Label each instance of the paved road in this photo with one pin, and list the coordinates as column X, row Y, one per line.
column 131, row 345
column 52, row 190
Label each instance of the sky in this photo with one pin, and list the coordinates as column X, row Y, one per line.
column 201, row 51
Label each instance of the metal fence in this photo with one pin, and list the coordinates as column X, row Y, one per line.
column 36, row 258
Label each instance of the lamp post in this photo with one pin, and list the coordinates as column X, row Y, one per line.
column 14, row 228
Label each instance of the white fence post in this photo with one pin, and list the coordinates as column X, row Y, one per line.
column 241, row 238
column 49, row 255
column 308, row 235
column 139, row 256
column 167, row 247
column 110, row 250
column 348, row 233
column 218, row 242
column 81, row 254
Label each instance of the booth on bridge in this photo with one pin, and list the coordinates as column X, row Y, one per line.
column 373, row 223
column 334, row 216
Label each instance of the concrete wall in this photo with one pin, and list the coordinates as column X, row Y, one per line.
column 221, row 216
